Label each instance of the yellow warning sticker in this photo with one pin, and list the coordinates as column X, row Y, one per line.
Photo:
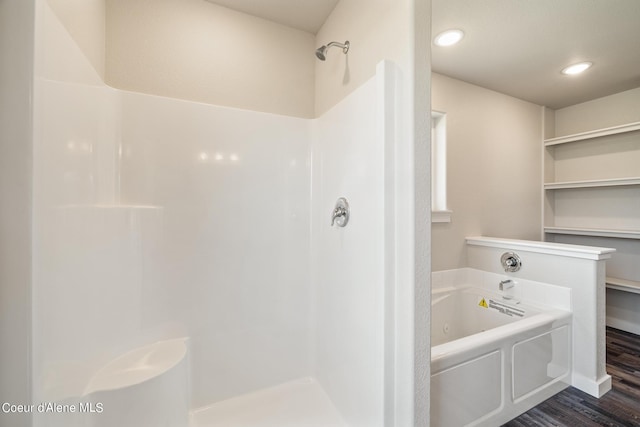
column 483, row 303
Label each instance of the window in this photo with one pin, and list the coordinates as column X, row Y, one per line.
column 439, row 211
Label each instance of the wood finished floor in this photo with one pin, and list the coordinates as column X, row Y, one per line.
column 619, row 407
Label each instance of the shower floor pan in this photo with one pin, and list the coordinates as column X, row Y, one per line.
column 299, row 403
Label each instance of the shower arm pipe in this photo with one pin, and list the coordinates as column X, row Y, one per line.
column 321, row 51
column 344, row 46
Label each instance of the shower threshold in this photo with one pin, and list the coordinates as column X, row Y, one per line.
column 299, row 403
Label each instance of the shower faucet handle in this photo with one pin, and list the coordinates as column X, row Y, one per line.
column 337, row 213
column 511, row 262
column 340, row 214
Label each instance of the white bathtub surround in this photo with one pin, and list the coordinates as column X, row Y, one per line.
column 493, row 358
column 578, row 268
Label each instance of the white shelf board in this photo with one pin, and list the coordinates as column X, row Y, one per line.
column 623, row 285
column 630, row 127
column 596, row 232
column 613, row 182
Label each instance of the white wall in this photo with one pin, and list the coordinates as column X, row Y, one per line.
column 494, row 168
column 16, row 87
column 196, row 50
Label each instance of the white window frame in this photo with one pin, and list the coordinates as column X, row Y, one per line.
column 439, row 209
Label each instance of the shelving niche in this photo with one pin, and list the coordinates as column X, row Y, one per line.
column 592, row 196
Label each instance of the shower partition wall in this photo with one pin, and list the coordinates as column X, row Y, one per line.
column 353, row 305
column 157, row 218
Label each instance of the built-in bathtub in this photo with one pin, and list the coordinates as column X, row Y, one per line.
column 493, row 358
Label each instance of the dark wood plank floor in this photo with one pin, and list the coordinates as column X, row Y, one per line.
column 619, row 407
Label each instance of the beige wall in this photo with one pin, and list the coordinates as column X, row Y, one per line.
column 374, row 29
column 195, row 50
column 16, row 142
column 85, row 21
column 613, row 110
column 494, row 168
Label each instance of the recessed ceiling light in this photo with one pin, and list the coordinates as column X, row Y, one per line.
column 577, row 68
column 448, row 38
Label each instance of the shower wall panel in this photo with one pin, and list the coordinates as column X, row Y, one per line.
column 234, row 186
column 93, row 256
column 349, row 262
column 156, row 218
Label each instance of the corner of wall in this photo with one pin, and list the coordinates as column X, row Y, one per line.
column 17, row 28
column 85, row 20
column 59, row 56
column 490, row 137
column 548, row 123
column 354, row 20
column 200, row 51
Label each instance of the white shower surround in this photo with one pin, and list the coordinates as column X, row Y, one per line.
column 207, row 212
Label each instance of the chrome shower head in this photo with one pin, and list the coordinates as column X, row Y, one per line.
column 322, row 50
column 320, row 53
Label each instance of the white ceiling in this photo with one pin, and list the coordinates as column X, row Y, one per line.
column 519, row 47
column 516, row 47
column 305, row 15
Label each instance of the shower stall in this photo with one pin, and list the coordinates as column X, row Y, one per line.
column 184, row 264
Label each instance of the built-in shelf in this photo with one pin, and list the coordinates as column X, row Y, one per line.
column 613, row 182
column 595, row 232
column 623, row 285
column 597, row 175
column 630, row 127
